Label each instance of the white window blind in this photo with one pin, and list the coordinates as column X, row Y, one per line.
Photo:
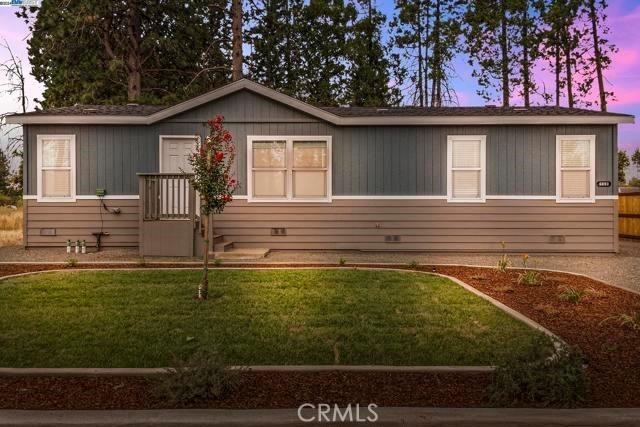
column 465, row 167
column 575, row 179
column 289, row 168
column 56, row 166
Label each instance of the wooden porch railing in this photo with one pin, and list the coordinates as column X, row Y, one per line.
column 166, row 196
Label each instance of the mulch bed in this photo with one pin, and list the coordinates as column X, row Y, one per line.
column 612, row 353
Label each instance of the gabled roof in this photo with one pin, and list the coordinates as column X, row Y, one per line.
column 341, row 116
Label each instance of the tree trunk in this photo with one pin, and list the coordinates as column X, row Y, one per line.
column 203, row 287
column 426, row 52
column 526, row 72
column 557, row 72
column 436, row 87
column 236, row 29
column 597, row 54
column 504, row 54
column 420, row 56
column 568, row 69
column 134, row 59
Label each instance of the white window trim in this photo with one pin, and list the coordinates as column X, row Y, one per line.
column 483, row 168
column 592, row 169
column 289, row 169
column 72, row 169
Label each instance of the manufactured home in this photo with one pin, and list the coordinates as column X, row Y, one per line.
column 539, row 179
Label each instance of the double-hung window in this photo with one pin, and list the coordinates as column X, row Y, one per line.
column 289, row 168
column 575, row 168
column 56, row 160
column 466, row 168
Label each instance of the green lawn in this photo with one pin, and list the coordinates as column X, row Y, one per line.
column 141, row 319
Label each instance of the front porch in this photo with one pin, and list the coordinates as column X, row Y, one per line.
column 170, row 223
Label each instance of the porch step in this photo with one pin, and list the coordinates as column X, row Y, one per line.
column 241, row 254
column 223, row 246
column 217, row 238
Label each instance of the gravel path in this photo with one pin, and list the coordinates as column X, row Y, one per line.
column 621, row 269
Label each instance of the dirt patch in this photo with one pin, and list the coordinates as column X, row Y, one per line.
column 612, row 353
column 257, row 390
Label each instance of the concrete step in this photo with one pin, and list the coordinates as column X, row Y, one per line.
column 241, row 254
column 217, row 238
column 223, row 246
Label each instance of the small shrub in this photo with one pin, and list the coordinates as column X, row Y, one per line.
column 547, row 309
column 71, row 262
column 571, row 294
column 342, row 261
column 626, row 320
column 596, row 293
column 504, row 262
column 413, row 264
column 202, row 377
column 547, row 375
column 529, row 277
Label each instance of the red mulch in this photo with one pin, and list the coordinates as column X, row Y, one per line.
column 612, row 352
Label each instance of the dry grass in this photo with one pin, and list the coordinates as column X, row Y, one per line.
column 10, row 226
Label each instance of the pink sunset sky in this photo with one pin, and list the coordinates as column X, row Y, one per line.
column 623, row 78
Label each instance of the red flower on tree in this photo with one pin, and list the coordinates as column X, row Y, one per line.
column 213, row 179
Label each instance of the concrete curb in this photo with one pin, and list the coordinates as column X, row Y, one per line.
column 138, row 372
column 388, row 417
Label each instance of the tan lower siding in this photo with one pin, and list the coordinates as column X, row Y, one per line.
column 428, row 225
column 77, row 220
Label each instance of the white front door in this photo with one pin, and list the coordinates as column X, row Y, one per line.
column 174, row 155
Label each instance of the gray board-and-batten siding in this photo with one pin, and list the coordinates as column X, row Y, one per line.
column 367, row 160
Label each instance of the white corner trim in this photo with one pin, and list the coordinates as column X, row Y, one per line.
column 483, row 167
column 72, row 169
column 592, row 168
column 288, row 169
column 317, row 113
column 29, row 197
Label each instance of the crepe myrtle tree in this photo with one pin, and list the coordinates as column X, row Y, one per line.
column 213, row 179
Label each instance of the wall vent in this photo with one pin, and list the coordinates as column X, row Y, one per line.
column 47, row 231
column 278, row 231
column 392, row 238
column 556, row 239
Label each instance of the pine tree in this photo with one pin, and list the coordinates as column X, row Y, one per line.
column 128, row 50
column 490, row 28
column 369, row 63
column 275, row 44
column 623, row 164
column 600, row 54
column 5, row 174
column 324, row 36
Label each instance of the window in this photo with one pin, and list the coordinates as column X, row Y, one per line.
column 56, row 167
column 466, row 174
column 575, row 171
column 289, row 168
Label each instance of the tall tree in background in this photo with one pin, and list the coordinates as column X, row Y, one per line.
column 275, row 42
column 411, row 28
column 236, row 31
column 490, row 27
column 368, row 60
column 325, row 35
column 623, row 164
column 13, row 84
column 600, row 53
column 5, row 175
column 128, row 50
column 635, row 158
column 527, row 22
